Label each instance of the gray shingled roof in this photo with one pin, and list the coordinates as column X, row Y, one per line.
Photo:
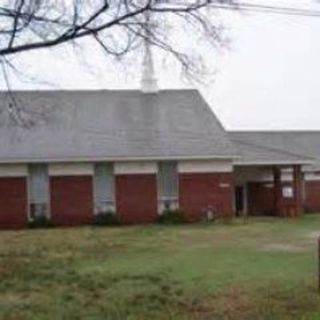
column 303, row 144
column 251, row 154
column 117, row 124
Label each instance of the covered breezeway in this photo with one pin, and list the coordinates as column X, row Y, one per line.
column 268, row 190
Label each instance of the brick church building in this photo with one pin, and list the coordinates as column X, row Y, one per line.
column 138, row 152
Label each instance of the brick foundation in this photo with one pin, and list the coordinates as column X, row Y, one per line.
column 312, row 196
column 71, row 200
column 13, row 203
column 136, row 198
column 199, row 191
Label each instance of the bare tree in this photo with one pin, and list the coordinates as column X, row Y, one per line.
column 117, row 25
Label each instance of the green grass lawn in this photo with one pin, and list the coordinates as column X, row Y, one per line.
column 262, row 269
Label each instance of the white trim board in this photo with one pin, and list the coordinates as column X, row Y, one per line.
column 70, row 169
column 204, row 166
column 135, row 168
column 13, row 170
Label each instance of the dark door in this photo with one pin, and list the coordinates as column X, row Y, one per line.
column 239, row 199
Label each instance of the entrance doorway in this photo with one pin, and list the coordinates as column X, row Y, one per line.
column 240, row 200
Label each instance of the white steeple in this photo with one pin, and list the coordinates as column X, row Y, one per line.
column 149, row 83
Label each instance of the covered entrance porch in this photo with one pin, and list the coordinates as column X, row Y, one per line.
column 268, row 190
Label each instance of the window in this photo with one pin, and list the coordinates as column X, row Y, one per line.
column 38, row 187
column 168, row 186
column 103, row 187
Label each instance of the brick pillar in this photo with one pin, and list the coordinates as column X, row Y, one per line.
column 277, row 192
column 298, row 189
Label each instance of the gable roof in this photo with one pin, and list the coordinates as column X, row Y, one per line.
column 112, row 125
column 303, row 144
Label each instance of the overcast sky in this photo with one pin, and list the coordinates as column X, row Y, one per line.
column 268, row 79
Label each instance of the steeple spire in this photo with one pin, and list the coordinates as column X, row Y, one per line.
column 149, row 83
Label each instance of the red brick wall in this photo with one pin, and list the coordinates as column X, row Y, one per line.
column 13, row 202
column 260, row 198
column 136, row 198
column 198, row 191
column 71, row 200
column 312, row 193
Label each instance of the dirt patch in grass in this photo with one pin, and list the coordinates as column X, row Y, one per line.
column 281, row 247
column 244, row 304
column 235, row 303
column 314, row 235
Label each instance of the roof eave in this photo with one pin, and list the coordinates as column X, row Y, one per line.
column 116, row 159
column 274, row 163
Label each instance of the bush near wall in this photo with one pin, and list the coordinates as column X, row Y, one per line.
column 106, row 219
column 176, row 216
column 40, row 222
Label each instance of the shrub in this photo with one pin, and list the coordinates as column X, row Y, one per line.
column 176, row 216
column 106, row 219
column 41, row 222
